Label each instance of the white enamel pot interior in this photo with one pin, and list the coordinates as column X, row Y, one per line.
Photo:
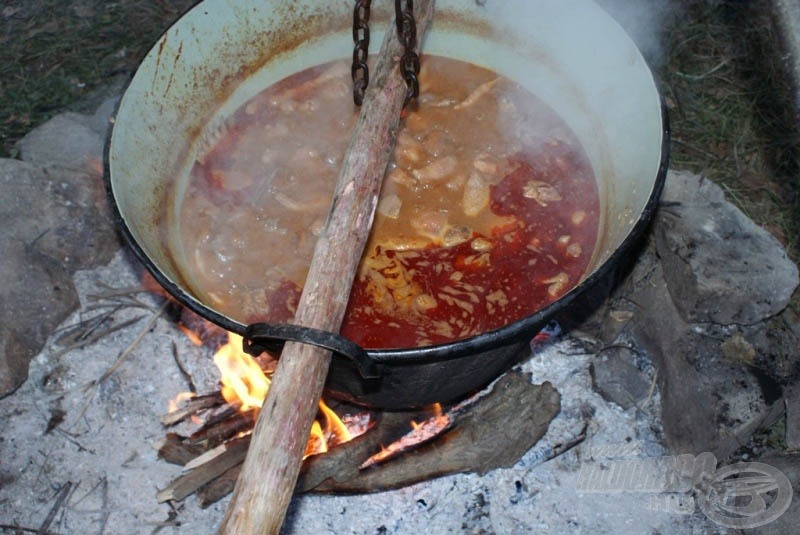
column 569, row 53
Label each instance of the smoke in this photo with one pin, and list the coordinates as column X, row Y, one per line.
column 647, row 22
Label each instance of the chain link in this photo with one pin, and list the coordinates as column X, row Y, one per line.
column 360, row 70
column 407, row 34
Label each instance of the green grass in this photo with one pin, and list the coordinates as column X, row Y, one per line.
column 731, row 113
column 55, row 53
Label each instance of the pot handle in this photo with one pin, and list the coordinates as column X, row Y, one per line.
column 260, row 337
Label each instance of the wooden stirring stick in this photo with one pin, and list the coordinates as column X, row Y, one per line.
column 269, row 473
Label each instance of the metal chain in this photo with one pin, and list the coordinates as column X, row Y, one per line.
column 360, row 70
column 407, row 34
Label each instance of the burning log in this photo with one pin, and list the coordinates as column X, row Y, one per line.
column 212, row 455
column 194, row 405
column 230, row 455
column 472, row 442
column 270, row 470
column 464, row 438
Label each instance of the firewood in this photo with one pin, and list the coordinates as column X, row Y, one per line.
column 188, row 483
column 218, row 488
column 216, row 432
column 474, row 444
column 342, row 462
column 268, row 477
column 191, row 408
column 173, row 450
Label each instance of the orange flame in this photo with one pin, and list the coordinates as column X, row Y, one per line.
column 194, row 338
column 243, row 382
column 180, row 399
column 335, row 425
column 434, row 426
column 245, row 385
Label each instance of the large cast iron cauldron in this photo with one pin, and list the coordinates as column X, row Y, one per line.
column 570, row 53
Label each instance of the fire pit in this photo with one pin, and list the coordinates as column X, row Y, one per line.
column 106, row 451
column 419, row 444
column 93, row 413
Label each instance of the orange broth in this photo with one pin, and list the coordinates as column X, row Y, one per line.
column 489, row 208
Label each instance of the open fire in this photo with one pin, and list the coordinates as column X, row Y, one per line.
column 221, row 423
column 244, row 385
column 214, row 442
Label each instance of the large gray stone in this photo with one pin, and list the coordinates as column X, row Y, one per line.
column 720, row 266
column 15, row 355
column 36, row 295
column 711, row 398
column 616, row 377
column 53, row 221
column 789, row 465
column 58, row 213
column 792, row 401
column 708, row 401
column 67, row 140
column 71, row 140
column 776, row 342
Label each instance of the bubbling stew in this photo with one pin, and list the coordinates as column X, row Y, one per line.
column 488, row 212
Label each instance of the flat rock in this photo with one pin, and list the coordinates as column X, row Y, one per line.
column 616, row 377
column 789, row 465
column 708, row 402
column 59, row 213
column 36, row 294
column 792, row 400
column 776, row 343
column 70, row 140
column 720, row 267
column 53, row 221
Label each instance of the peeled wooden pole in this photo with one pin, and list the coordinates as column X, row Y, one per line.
column 269, row 473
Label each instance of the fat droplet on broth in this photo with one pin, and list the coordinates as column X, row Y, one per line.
column 557, row 284
column 486, row 165
column 399, row 176
column 578, row 217
column 481, row 245
column 271, row 224
column 431, row 224
column 456, row 235
column 424, row 302
column 541, row 192
column 409, row 151
column 574, row 250
column 476, row 195
column 417, row 122
column 390, row 205
column 437, row 169
column 439, row 143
